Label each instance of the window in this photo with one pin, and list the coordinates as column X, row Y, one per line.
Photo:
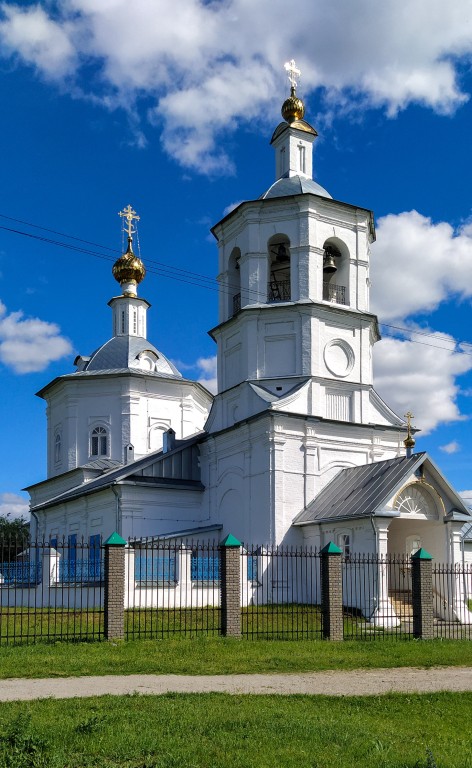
column 301, row 157
column 344, row 543
column 282, row 161
column 122, row 322
column 99, row 442
column 94, row 557
column 278, row 288
column 204, row 566
column 135, row 320
column 57, row 448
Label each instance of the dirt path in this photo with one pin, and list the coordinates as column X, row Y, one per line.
column 354, row 683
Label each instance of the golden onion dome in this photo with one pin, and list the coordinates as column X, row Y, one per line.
column 293, row 108
column 129, row 268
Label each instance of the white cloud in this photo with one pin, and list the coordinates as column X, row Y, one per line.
column 210, row 66
column 13, row 506
column 231, row 207
column 412, row 376
column 30, row 344
column 207, row 377
column 204, row 370
column 452, row 447
column 37, row 39
column 416, row 265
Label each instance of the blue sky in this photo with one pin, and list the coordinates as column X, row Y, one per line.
column 171, row 108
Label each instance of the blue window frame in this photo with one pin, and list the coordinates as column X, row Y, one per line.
column 204, row 567
column 94, row 557
column 154, row 568
column 72, row 555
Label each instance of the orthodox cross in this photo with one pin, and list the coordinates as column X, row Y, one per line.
column 409, row 416
column 293, row 72
column 130, row 215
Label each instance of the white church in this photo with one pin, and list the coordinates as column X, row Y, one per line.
column 297, row 447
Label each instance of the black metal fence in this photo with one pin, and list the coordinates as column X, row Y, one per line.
column 377, row 597
column 452, row 600
column 281, row 593
column 55, row 590
column 172, row 589
column 51, row 590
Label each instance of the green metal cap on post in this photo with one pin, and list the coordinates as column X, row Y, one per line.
column 115, row 540
column 331, row 549
column 421, row 554
column 230, row 541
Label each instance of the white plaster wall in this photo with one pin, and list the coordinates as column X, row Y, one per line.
column 130, row 408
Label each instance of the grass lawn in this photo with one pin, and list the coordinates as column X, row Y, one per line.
column 394, row 731
column 202, row 656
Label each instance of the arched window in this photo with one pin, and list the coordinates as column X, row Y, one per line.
column 57, row 448
column 234, row 283
column 99, row 442
column 335, row 272
column 279, row 288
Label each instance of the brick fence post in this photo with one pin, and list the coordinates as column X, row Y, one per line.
column 332, row 592
column 422, row 594
column 230, row 587
column 114, row 597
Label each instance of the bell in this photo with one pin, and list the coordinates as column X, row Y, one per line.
column 329, row 264
column 282, row 254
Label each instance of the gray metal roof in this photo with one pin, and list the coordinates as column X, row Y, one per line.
column 169, row 469
column 294, row 185
column 123, row 352
column 359, row 491
column 102, row 463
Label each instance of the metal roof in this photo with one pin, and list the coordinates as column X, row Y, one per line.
column 295, row 185
column 359, row 491
column 170, row 472
column 123, row 351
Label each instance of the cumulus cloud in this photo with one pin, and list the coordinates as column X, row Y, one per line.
column 412, row 376
column 36, row 38
column 29, row 344
column 14, row 506
column 410, row 371
column 207, row 375
column 210, row 66
column 203, row 370
column 452, row 447
column 436, row 258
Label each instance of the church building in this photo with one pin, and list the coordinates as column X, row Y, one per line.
column 296, row 447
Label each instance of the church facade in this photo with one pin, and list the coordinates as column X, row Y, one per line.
column 296, row 447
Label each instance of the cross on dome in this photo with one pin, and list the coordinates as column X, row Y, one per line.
column 409, row 442
column 130, row 215
column 293, row 72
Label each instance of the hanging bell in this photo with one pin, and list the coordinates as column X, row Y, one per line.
column 282, row 254
column 329, row 264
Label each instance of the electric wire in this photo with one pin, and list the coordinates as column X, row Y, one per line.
column 196, row 279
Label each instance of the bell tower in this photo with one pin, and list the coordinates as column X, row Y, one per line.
column 295, row 332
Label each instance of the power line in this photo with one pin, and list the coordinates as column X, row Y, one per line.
column 186, row 276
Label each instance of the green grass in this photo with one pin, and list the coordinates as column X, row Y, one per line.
column 394, row 731
column 202, row 656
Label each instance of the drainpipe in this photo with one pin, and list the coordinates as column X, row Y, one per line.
column 118, row 510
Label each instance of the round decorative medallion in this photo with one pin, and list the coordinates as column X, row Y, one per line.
column 339, row 357
column 416, row 501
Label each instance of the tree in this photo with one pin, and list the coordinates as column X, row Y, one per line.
column 14, row 535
